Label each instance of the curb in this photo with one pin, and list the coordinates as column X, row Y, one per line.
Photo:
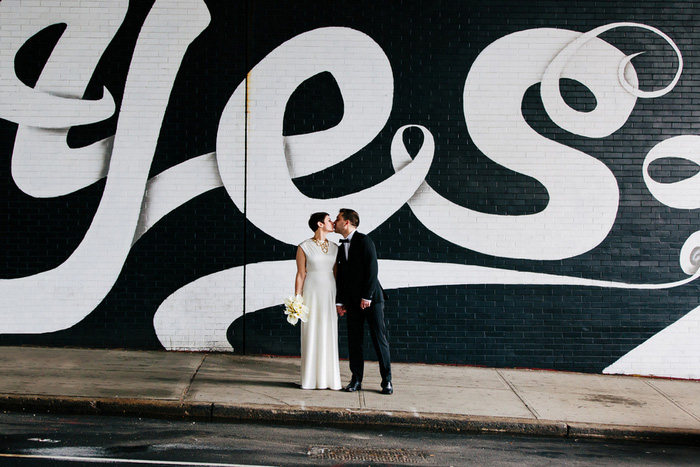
column 380, row 420
column 367, row 419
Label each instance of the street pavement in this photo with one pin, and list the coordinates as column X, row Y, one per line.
column 215, row 386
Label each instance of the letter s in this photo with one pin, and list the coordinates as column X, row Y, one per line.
column 583, row 192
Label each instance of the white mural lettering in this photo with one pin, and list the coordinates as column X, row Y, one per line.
column 256, row 163
column 42, row 163
column 61, row 297
column 277, row 158
column 583, row 193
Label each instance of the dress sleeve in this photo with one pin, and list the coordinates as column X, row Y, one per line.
column 305, row 247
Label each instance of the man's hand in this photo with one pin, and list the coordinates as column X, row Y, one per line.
column 365, row 304
column 341, row 310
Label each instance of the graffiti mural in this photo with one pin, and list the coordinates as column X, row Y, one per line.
column 533, row 195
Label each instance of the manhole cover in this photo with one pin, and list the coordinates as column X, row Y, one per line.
column 405, row 456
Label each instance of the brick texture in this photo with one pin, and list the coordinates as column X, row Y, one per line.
column 431, row 48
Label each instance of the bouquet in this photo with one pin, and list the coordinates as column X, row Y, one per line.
column 295, row 309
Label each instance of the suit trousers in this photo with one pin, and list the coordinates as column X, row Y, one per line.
column 374, row 315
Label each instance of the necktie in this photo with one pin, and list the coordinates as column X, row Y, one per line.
column 344, row 240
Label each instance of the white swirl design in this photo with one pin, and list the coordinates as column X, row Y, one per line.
column 193, row 307
column 56, row 102
column 253, row 155
column 271, row 195
column 42, row 163
column 684, row 194
column 59, row 298
column 583, row 193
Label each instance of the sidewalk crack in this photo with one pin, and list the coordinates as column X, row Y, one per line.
column 518, row 395
column 258, row 392
column 671, row 399
column 194, row 375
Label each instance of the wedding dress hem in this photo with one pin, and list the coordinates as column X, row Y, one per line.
column 321, row 389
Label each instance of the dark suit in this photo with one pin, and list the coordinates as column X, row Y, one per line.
column 356, row 280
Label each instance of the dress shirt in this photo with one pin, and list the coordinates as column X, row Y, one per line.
column 346, row 245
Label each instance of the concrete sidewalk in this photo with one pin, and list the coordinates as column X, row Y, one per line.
column 221, row 387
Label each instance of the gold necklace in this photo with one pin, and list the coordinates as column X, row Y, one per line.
column 322, row 245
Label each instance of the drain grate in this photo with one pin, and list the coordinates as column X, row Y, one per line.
column 405, row 456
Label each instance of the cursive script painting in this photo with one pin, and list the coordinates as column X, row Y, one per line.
column 598, row 196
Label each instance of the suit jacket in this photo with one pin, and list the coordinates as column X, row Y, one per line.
column 357, row 276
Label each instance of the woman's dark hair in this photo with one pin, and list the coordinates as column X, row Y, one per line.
column 315, row 219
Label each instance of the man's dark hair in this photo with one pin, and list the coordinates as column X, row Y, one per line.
column 315, row 219
column 350, row 215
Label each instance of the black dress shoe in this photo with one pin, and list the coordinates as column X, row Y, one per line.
column 388, row 389
column 353, row 386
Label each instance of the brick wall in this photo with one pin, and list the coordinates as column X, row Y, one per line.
column 154, row 197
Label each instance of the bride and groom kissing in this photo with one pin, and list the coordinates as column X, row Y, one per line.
column 340, row 281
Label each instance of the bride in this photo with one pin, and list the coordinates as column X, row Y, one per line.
column 315, row 281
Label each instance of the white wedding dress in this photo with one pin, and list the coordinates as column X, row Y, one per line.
column 320, row 365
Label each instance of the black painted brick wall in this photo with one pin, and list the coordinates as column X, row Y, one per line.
column 431, row 47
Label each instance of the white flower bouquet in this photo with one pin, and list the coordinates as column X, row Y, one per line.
column 295, row 309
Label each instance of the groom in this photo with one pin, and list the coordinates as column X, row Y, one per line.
column 362, row 297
